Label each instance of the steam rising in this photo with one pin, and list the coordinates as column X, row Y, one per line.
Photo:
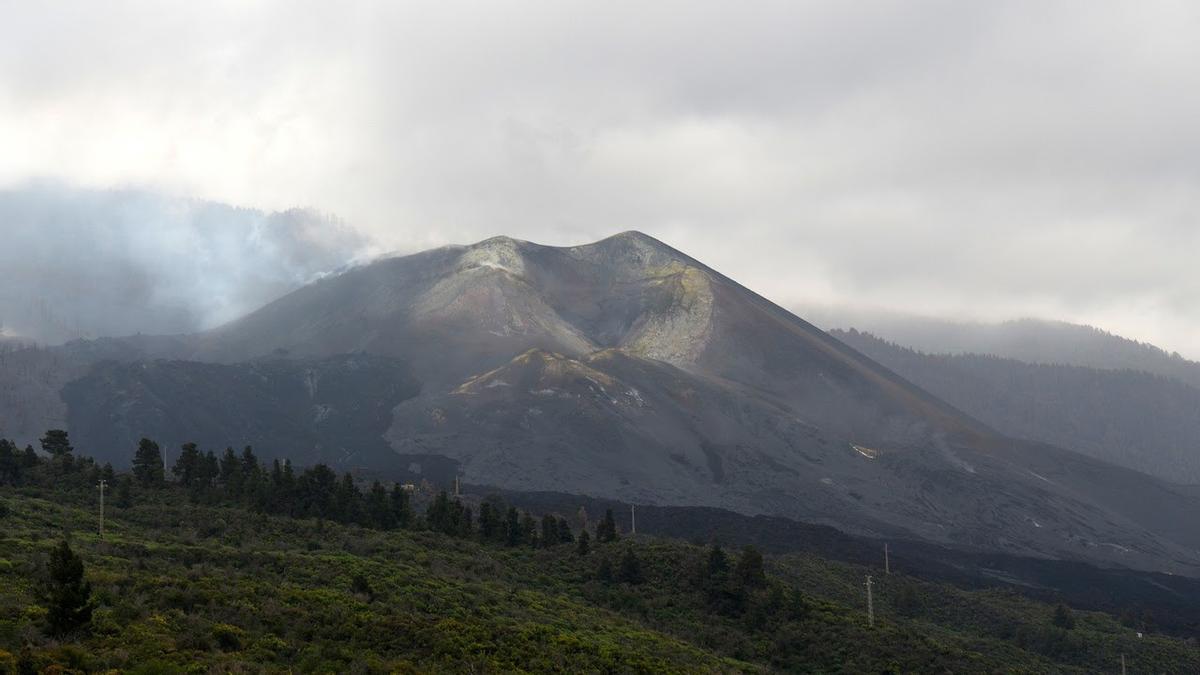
column 83, row 263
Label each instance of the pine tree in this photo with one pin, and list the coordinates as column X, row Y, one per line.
column 56, row 443
column 564, row 532
column 749, row 571
column 723, row 593
column 252, row 477
column 231, row 473
column 284, row 491
column 348, row 500
column 549, row 530
column 630, row 570
column 606, row 530
column 58, row 446
column 29, row 459
column 208, row 472
column 400, row 509
column 10, row 463
column 512, row 530
column 466, row 525
column 585, row 543
column 379, row 508
column 187, row 465
column 529, row 529
column 718, row 563
column 488, row 523
column 67, row 594
column 315, row 492
column 437, row 514
column 250, row 465
column 148, row 464
column 124, row 492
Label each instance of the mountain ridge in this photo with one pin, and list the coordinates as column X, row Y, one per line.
column 1031, row 340
column 1102, row 413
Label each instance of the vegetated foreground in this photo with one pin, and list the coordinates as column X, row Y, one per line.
column 185, row 586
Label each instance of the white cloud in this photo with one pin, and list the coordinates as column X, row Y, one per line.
column 976, row 159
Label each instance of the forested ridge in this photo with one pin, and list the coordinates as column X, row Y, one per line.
column 1131, row 418
column 1025, row 340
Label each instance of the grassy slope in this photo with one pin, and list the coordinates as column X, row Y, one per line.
column 188, row 587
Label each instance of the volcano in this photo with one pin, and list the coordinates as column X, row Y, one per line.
column 626, row 369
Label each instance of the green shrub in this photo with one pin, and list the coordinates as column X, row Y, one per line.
column 229, row 638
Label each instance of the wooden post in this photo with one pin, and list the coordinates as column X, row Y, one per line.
column 102, row 484
column 870, row 604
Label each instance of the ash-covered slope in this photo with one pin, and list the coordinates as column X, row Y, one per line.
column 626, row 369
column 458, row 311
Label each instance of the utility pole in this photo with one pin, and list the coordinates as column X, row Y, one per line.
column 632, row 519
column 870, row 604
column 103, row 484
column 887, row 564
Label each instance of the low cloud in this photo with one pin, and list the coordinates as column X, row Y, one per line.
column 87, row 263
column 975, row 160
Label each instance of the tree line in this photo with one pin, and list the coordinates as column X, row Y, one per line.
column 243, row 480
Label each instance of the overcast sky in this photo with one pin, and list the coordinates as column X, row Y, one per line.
column 970, row 159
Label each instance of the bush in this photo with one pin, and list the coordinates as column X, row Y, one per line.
column 192, row 640
column 229, row 638
column 360, row 586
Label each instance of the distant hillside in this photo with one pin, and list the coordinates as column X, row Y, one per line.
column 1135, row 419
column 332, row 410
column 1029, row 340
